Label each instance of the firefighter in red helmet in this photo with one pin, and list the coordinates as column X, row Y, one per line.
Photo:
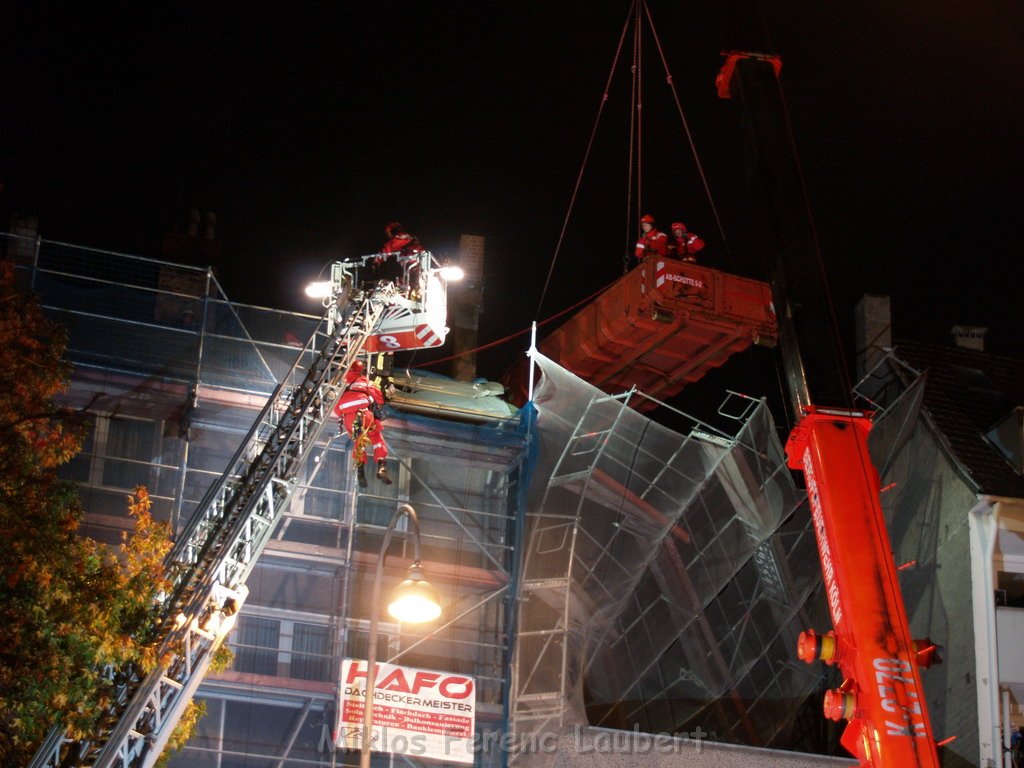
column 406, row 250
column 360, row 410
column 685, row 244
column 652, row 242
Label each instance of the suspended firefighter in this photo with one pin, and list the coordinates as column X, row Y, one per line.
column 685, row 244
column 360, row 411
column 652, row 242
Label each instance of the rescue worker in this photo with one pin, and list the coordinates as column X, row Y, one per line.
column 652, row 242
column 406, row 250
column 360, row 410
column 685, row 244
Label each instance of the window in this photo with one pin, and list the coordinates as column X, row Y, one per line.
column 311, row 652
column 356, row 644
column 378, row 502
column 1010, row 587
column 256, row 644
column 1008, row 436
column 78, row 469
column 326, row 481
column 129, row 450
column 117, row 453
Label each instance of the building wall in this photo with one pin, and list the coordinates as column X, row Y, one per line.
column 309, row 594
column 927, row 510
column 170, row 403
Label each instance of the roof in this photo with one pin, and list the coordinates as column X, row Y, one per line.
column 966, row 394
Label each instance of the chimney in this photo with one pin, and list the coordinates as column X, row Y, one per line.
column 210, row 222
column 466, row 303
column 21, row 249
column 872, row 332
column 197, row 245
column 969, row 337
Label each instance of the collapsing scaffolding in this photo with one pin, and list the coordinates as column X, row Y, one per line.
column 665, row 577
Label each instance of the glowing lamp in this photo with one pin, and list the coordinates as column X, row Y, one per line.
column 414, row 600
column 321, row 289
column 451, row 274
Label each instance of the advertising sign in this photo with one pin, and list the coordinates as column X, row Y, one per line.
column 416, row 712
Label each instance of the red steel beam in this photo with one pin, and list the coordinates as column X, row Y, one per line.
column 881, row 696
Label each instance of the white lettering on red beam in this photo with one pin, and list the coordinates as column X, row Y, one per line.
column 911, row 722
column 818, row 516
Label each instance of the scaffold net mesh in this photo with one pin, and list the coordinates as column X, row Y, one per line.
column 663, row 572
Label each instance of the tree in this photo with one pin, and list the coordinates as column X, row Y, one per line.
column 68, row 605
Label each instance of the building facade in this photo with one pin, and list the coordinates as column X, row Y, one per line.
column 693, row 574
column 947, row 443
column 172, row 375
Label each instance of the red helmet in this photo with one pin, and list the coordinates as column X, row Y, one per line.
column 357, row 366
column 679, row 225
column 392, row 228
column 648, row 219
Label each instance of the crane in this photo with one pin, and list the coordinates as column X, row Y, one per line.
column 207, row 568
column 881, row 697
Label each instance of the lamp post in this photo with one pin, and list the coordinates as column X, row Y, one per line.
column 413, row 601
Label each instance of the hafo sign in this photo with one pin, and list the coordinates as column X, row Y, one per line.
column 416, row 712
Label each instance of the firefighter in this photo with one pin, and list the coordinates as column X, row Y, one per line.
column 652, row 242
column 685, row 244
column 406, row 250
column 360, row 411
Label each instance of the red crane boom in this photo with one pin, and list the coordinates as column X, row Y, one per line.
column 881, row 695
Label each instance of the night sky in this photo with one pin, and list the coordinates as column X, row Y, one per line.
column 307, row 128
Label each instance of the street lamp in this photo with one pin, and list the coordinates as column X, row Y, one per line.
column 413, row 601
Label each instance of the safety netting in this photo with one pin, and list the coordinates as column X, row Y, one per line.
column 665, row 575
column 134, row 316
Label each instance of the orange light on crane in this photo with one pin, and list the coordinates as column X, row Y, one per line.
column 813, row 647
column 839, row 704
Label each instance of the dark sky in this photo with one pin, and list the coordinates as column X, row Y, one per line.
column 307, row 127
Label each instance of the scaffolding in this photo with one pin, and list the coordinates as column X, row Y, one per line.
column 664, row 574
column 661, row 582
column 172, row 376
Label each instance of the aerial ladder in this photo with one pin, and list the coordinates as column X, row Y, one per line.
column 881, row 697
column 207, row 568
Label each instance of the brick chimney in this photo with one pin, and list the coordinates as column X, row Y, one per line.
column 465, row 303
column 22, row 248
column 872, row 332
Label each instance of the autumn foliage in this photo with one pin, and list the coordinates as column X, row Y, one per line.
column 69, row 606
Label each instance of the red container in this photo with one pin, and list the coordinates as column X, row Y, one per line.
column 661, row 326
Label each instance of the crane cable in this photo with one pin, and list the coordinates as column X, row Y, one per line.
column 520, row 332
column 630, row 233
column 638, row 10
column 842, row 363
column 689, row 138
column 583, row 166
column 638, row 80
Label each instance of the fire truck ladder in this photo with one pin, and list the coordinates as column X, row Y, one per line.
column 211, row 560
